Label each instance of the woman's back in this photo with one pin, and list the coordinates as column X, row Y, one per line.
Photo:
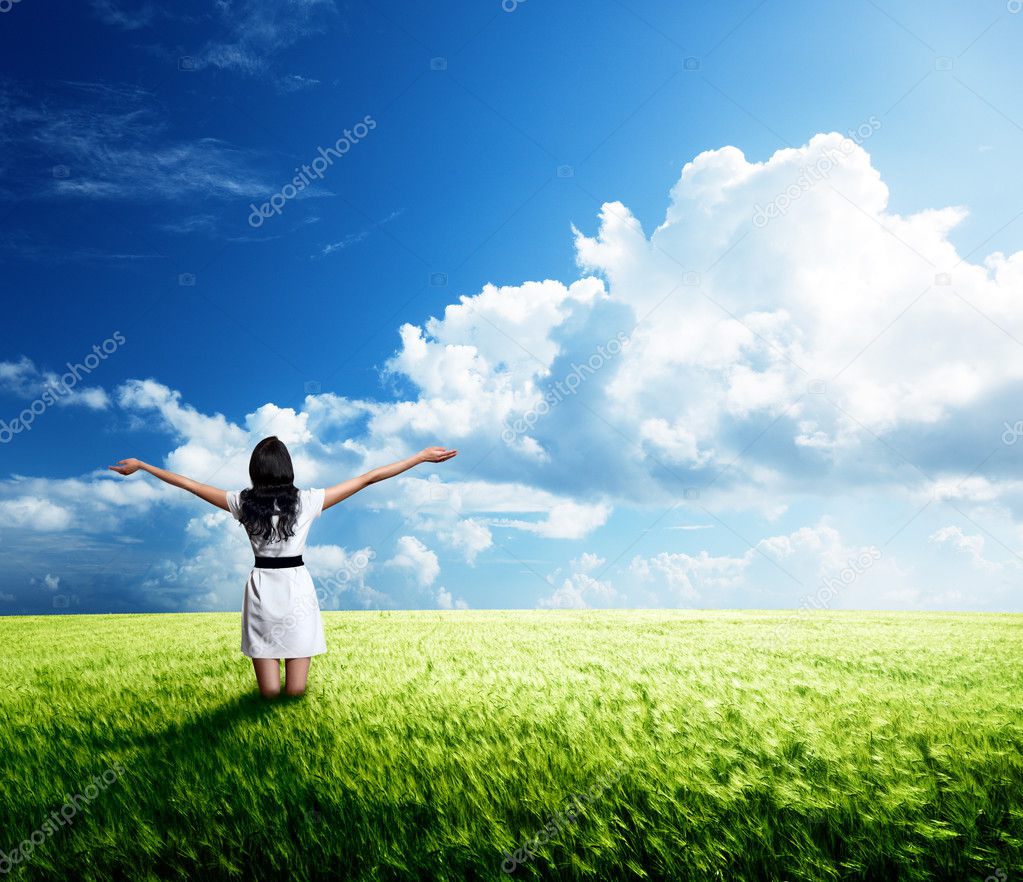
column 310, row 504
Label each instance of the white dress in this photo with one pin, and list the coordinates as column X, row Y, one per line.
column 280, row 613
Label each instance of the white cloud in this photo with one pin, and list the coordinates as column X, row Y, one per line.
column 811, row 567
column 445, row 600
column 92, row 397
column 341, row 577
column 805, row 298
column 107, row 142
column 689, row 576
column 565, row 520
column 481, row 362
column 767, row 361
column 580, row 591
column 129, row 19
column 22, row 378
column 259, row 30
column 673, row 441
column 34, row 513
column 209, row 573
column 793, row 362
column 296, row 83
column 972, row 545
column 418, row 560
column 19, row 377
column 587, row 562
column 354, row 238
column 469, row 536
column 346, row 242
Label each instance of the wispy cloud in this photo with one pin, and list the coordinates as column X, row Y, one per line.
column 23, row 379
column 256, row 31
column 21, row 245
column 355, row 238
column 106, row 142
column 343, row 243
column 129, row 19
column 196, row 223
column 296, row 82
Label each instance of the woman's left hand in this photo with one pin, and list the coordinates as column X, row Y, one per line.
column 127, row 466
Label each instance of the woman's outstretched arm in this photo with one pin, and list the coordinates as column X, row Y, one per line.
column 213, row 495
column 345, row 489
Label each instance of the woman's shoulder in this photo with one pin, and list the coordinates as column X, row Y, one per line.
column 312, row 499
column 234, row 501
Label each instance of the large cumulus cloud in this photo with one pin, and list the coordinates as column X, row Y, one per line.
column 778, row 338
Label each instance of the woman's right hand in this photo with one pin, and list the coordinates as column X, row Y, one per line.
column 436, row 454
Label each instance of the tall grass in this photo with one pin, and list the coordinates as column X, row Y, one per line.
column 641, row 745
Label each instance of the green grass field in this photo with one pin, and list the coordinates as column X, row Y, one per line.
column 559, row 745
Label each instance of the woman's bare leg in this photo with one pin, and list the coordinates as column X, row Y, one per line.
column 296, row 671
column 268, row 676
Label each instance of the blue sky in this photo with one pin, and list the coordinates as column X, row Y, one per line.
column 829, row 395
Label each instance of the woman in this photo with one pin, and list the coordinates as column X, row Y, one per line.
column 280, row 613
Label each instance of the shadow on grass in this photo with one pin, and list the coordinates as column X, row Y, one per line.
column 233, row 791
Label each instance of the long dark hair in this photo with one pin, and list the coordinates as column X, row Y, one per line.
column 273, row 492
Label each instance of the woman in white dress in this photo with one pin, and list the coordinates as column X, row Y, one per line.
column 280, row 612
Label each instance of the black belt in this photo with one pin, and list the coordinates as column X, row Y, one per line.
column 278, row 563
